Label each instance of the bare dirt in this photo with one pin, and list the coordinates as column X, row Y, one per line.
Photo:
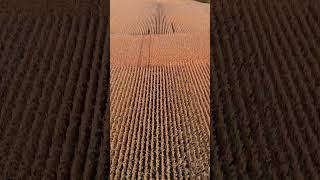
column 159, row 89
column 45, row 7
column 53, row 90
column 265, row 89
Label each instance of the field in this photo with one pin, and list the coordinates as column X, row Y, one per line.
column 265, row 89
column 53, row 90
column 159, row 89
column 261, row 89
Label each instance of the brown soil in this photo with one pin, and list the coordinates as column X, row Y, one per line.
column 159, row 89
column 53, row 90
column 265, row 89
column 45, row 7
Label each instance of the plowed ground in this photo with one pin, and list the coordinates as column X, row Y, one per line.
column 159, row 89
column 265, row 89
column 53, row 74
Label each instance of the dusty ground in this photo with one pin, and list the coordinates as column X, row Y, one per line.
column 159, row 89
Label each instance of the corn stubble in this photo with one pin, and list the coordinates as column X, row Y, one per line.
column 159, row 90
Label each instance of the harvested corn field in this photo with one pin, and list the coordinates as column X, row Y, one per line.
column 159, row 89
column 52, row 94
column 266, row 89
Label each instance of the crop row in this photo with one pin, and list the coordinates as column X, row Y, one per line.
column 265, row 95
column 159, row 121
column 53, row 97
